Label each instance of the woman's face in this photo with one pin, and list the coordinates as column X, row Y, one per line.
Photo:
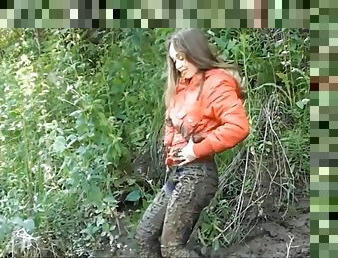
column 186, row 68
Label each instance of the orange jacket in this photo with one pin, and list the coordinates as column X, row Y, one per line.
column 216, row 120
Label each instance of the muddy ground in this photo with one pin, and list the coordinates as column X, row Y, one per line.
column 276, row 238
column 272, row 237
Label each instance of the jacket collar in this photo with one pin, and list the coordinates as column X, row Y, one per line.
column 192, row 82
column 196, row 79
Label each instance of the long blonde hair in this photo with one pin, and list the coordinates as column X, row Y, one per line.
column 194, row 44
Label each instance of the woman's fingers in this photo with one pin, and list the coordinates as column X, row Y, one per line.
column 177, row 153
column 183, row 162
column 179, row 159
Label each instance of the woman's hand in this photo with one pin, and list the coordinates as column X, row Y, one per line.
column 186, row 154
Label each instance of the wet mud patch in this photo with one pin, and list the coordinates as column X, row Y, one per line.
column 276, row 239
column 272, row 237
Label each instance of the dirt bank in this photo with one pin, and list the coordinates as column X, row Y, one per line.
column 272, row 237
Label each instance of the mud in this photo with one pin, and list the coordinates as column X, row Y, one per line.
column 278, row 238
column 271, row 238
column 175, row 210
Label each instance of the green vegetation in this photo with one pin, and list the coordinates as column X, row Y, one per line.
column 81, row 115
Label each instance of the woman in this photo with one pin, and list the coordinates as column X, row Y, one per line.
column 204, row 116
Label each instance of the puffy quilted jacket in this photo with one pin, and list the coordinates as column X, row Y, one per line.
column 213, row 115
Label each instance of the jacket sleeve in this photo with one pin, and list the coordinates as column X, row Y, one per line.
column 223, row 104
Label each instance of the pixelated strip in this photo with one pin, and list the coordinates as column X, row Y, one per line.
column 324, row 83
column 324, row 129
column 154, row 13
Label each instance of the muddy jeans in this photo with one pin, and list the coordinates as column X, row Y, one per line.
column 169, row 220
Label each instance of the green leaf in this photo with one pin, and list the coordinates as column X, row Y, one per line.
column 29, row 225
column 95, row 195
column 221, row 43
column 59, row 144
column 17, row 221
column 300, row 104
column 105, row 227
column 109, row 199
column 216, row 245
column 133, row 196
column 231, row 44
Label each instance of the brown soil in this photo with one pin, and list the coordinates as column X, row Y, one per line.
column 272, row 237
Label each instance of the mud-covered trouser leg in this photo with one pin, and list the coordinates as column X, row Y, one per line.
column 196, row 187
column 150, row 227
